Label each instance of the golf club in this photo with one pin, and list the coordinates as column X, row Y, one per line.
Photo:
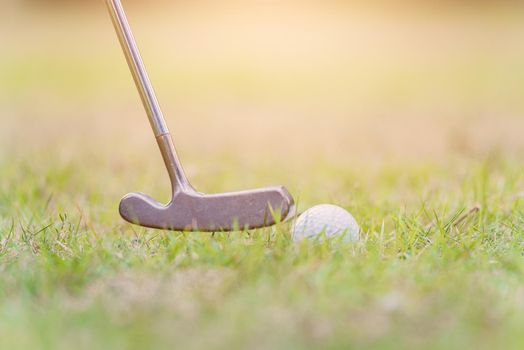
column 188, row 209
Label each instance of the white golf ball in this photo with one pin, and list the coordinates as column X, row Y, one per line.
column 327, row 219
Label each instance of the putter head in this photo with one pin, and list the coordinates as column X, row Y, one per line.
column 193, row 211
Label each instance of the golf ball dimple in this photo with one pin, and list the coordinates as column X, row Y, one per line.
column 326, row 219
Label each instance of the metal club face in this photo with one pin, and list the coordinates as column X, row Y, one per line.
column 216, row 212
column 188, row 209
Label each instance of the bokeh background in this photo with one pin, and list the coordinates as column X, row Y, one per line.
column 409, row 114
column 280, row 88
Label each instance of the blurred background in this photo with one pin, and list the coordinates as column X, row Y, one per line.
column 263, row 84
column 410, row 114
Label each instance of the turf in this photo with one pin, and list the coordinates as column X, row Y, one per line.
column 431, row 272
column 433, row 173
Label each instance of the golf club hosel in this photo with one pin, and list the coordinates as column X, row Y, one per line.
column 178, row 178
column 137, row 67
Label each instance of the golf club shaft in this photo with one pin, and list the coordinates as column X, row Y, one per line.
column 137, row 67
column 147, row 93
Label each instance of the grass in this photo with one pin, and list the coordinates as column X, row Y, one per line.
column 417, row 278
column 429, row 161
